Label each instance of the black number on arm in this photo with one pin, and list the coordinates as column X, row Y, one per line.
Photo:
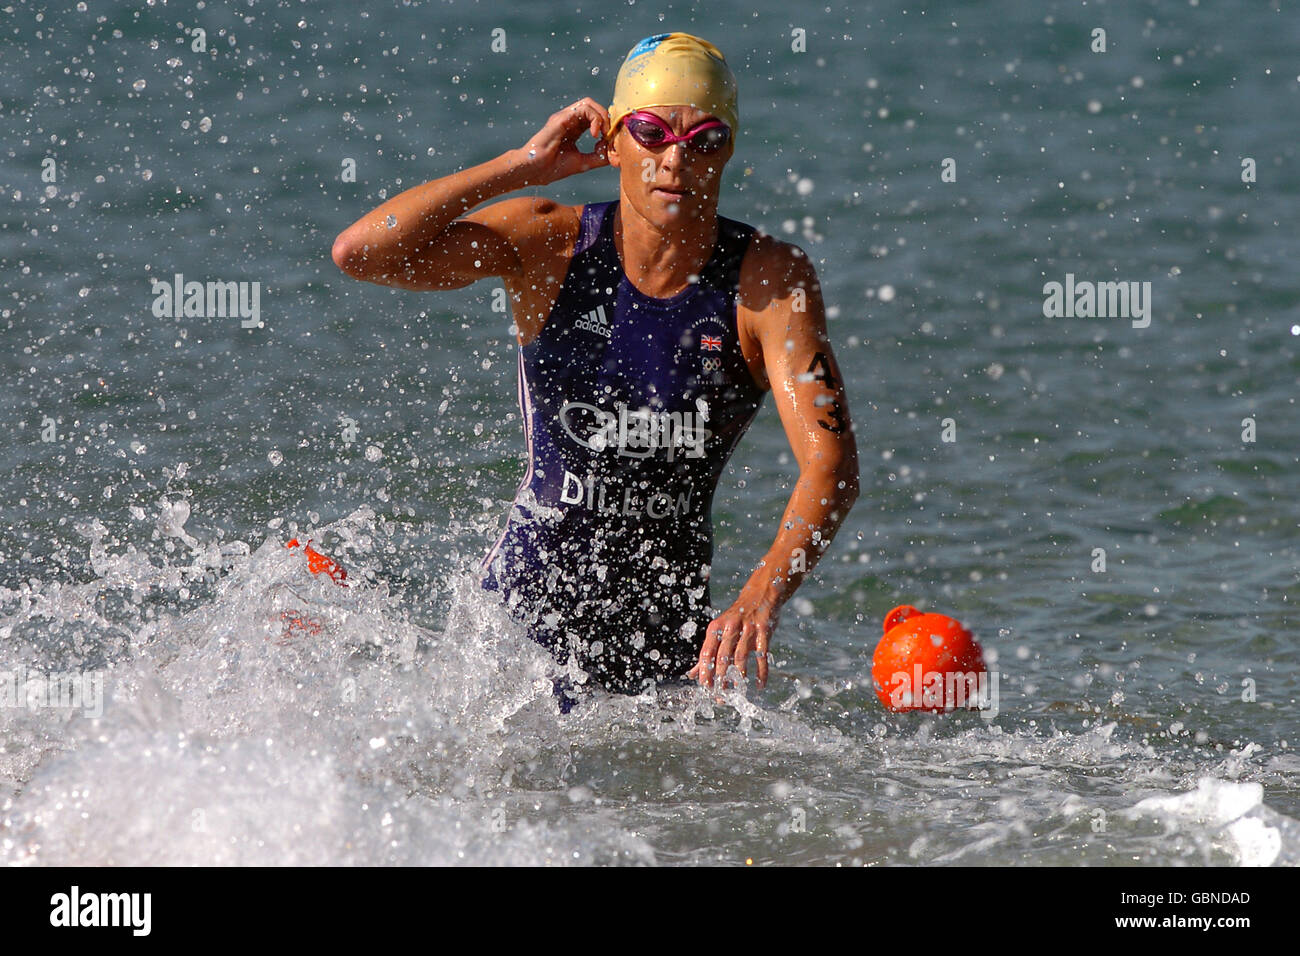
column 837, row 424
column 826, row 376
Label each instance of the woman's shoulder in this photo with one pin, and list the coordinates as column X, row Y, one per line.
column 772, row 269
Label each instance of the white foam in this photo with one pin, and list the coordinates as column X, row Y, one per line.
column 380, row 740
column 227, row 740
column 1232, row 815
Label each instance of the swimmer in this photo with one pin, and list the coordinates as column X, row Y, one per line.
column 650, row 329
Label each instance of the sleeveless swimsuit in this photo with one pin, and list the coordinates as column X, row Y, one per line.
column 631, row 408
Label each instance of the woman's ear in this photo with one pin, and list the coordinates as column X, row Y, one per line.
column 611, row 151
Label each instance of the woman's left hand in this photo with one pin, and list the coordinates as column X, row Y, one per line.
column 743, row 628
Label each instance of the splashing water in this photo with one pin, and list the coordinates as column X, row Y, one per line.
column 253, row 713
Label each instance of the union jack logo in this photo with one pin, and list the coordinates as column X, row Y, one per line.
column 712, row 342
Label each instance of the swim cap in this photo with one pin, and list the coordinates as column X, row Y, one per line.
column 675, row 69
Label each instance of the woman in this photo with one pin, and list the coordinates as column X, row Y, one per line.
column 650, row 328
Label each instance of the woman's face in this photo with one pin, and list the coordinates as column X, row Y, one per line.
column 666, row 184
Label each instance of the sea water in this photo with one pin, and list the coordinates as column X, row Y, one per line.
column 1110, row 506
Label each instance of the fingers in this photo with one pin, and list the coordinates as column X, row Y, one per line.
column 586, row 115
column 595, row 159
column 749, row 642
column 724, row 656
column 728, row 643
column 705, row 667
column 568, row 126
column 731, row 650
column 600, row 116
column 744, row 646
column 755, row 639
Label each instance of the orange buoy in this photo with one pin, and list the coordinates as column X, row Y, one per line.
column 927, row 662
column 318, row 563
column 298, row 625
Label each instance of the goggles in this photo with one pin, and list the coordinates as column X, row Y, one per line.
column 652, row 132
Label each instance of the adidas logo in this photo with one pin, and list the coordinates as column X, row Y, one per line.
column 595, row 321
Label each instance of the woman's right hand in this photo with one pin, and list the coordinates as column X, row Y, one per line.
column 553, row 152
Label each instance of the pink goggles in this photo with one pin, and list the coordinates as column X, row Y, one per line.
column 652, row 132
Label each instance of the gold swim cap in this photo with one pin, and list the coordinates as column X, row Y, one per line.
column 675, row 69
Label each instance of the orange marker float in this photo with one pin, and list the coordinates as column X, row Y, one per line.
column 927, row 662
column 296, row 624
column 317, row 563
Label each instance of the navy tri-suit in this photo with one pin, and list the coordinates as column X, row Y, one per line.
column 631, row 407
